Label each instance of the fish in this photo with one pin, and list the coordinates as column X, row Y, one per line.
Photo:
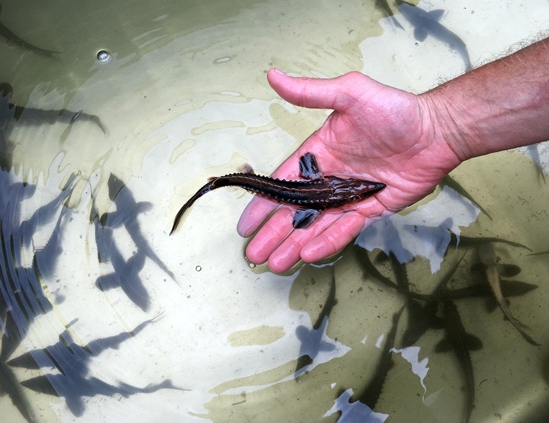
column 372, row 391
column 465, row 241
column 11, row 113
column 427, row 23
column 476, row 290
column 384, row 5
column 14, row 39
column 456, row 186
column 313, row 195
column 533, row 153
column 424, row 317
column 540, row 253
column 402, row 284
column 492, row 268
column 461, row 342
column 32, row 117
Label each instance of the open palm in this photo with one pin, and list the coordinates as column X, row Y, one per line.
column 376, row 133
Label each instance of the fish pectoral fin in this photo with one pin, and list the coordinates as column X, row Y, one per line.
column 420, row 34
column 304, row 217
column 508, row 270
column 473, row 343
column 308, row 167
column 142, row 207
column 516, row 288
column 437, row 323
column 491, row 305
column 443, row 346
column 478, row 267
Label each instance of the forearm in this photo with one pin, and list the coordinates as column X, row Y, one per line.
column 501, row 105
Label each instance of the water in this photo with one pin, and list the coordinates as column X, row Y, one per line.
column 106, row 318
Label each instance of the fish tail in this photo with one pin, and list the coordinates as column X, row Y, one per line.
column 205, row 189
column 519, row 326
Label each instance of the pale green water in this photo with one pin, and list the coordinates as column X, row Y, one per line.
column 129, row 324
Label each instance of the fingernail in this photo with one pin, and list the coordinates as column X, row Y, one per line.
column 278, row 71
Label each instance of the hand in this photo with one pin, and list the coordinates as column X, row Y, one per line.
column 376, row 133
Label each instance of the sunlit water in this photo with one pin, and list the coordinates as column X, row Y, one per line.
column 107, row 318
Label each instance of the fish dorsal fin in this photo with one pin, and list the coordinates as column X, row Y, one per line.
column 304, row 217
column 436, row 14
column 308, row 167
column 247, row 168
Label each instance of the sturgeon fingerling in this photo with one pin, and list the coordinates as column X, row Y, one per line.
column 312, row 195
column 492, row 267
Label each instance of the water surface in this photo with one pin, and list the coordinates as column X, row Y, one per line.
column 106, row 318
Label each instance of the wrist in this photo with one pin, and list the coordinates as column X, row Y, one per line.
column 444, row 133
column 496, row 107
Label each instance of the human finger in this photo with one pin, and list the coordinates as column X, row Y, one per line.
column 270, row 236
column 288, row 252
column 334, row 238
column 331, row 93
column 255, row 213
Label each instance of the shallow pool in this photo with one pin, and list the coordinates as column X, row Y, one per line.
column 113, row 114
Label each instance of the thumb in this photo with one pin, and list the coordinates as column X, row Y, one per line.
column 316, row 93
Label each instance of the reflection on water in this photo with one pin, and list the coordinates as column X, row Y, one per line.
column 106, row 318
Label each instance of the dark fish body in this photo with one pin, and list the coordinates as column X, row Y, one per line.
column 313, row 195
column 372, row 391
column 508, row 288
column 329, row 192
column 11, row 113
column 29, row 116
column 384, row 5
column 452, row 183
column 465, row 241
column 12, row 38
column 458, row 340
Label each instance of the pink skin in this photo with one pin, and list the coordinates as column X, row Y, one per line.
column 376, row 133
column 409, row 142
